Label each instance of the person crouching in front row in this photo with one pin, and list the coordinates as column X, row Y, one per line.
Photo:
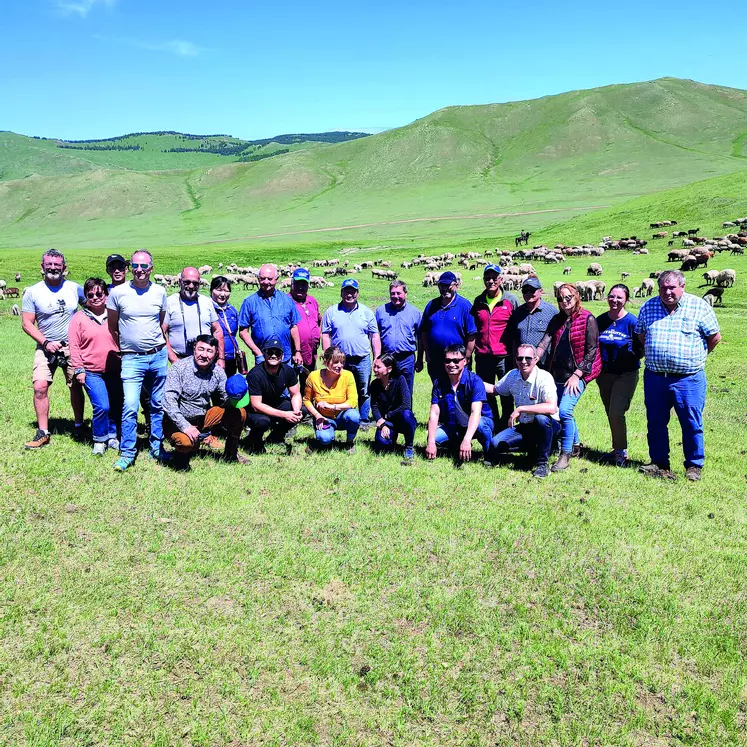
column 332, row 399
column 534, row 423
column 192, row 385
column 459, row 409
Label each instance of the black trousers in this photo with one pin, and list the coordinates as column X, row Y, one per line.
column 259, row 424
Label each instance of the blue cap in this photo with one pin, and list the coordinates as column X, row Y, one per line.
column 237, row 390
column 492, row 268
column 349, row 283
column 301, row 274
column 447, row 278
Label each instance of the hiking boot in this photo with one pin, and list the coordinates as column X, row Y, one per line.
column 564, row 461
column 99, row 448
column 541, row 471
column 123, row 463
column 694, row 473
column 656, row 470
column 41, row 438
column 211, row 442
column 113, row 444
column 408, row 457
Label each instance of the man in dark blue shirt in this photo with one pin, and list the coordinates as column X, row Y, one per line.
column 459, row 408
column 446, row 321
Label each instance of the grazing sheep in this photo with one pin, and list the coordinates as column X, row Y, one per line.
column 3, row 284
column 710, row 276
column 624, row 275
column 567, row 270
column 12, row 293
column 714, row 297
column 18, row 277
column 726, row 278
column 710, row 300
column 594, row 269
column 647, row 287
column 637, row 292
column 14, row 310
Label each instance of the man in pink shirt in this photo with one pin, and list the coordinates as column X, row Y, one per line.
column 309, row 329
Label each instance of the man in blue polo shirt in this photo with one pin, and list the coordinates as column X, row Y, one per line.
column 352, row 328
column 269, row 314
column 459, row 408
column 399, row 327
column 446, row 321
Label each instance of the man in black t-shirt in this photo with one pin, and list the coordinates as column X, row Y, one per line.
column 269, row 406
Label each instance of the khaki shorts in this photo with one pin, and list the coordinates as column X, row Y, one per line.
column 43, row 371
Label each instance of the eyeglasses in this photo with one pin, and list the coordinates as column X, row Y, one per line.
column 453, row 361
column 140, row 266
column 95, row 295
column 191, row 282
column 524, row 358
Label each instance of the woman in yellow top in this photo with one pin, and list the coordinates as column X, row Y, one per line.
column 332, row 399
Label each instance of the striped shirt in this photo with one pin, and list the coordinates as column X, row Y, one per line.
column 676, row 343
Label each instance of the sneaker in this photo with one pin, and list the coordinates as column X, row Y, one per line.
column 621, row 460
column 542, row 471
column 113, row 444
column 564, row 461
column 41, row 438
column 366, row 425
column 211, row 442
column 488, row 464
column 351, row 449
column 408, row 457
column 161, row 455
column 694, row 473
column 656, row 470
column 99, row 448
column 122, row 464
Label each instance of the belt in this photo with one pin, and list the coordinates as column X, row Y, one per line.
column 669, row 375
column 156, row 349
column 355, row 358
column 402, row 355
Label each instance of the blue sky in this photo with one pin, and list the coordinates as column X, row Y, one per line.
column 98, row 68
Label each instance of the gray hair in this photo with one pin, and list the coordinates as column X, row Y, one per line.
column 668, row 275
column 53, row 253
column 527, row 345
column 143, row 251
column 398, row 284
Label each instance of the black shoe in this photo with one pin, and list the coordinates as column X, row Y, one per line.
column 576, row 451
column 542, row 471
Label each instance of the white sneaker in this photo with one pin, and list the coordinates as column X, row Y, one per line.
column 112, row 444
column 99, row 448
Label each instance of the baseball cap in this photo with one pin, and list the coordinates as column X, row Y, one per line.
column 349, row 283
column 272, row 344
column 532, row 283
column 492, row 268
column 301, row 274
column 447, row 278
column 115, row 258
column 237, row 391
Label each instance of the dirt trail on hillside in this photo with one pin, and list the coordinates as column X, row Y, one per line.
column 476, row 216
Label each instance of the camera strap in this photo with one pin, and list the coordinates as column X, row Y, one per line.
column 184, row 321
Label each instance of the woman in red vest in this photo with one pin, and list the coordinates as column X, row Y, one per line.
column 574, row 361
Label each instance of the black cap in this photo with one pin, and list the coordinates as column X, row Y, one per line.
column 115, row 258
column 273, row 342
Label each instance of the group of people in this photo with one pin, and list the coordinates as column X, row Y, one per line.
column 129, row 346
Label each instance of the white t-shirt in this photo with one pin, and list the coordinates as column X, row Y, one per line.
column 197, row 317
column 139, row 312
column 538, row 388
column 54, row 307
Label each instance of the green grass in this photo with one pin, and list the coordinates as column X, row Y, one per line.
column 331, row 599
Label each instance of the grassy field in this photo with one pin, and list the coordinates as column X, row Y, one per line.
column 345, row 600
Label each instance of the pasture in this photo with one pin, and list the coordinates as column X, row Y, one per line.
column 335, row 599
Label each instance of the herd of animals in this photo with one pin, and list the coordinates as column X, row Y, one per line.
column 516, row 265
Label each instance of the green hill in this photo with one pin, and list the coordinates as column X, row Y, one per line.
column 567, row 152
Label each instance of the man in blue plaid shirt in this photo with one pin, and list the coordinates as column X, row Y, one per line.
column 677, row 330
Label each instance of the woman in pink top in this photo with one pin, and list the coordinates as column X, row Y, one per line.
column 95, row 360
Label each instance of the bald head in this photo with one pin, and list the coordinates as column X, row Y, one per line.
column 268, row 278
column 189, row 283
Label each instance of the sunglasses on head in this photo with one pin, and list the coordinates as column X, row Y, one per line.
column 140, row 266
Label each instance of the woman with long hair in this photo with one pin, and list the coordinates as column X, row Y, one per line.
column 574, row 361
column 228, row 318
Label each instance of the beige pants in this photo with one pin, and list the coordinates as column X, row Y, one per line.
column 43, row 371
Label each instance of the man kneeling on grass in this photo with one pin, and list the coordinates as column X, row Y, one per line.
column 534, row 422
column 192, row 385
column 459, row 409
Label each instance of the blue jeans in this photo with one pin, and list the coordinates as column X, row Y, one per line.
column 687, row 395
column 360, row 367
column 492, row 368
column 98, row 388
column 566, row 404
column 454, row 434
column 349, row 420
column 402, row 422
column 536, row 436
column 406, row 366
column 140, row 371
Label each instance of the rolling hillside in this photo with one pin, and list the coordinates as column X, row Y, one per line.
column 572, row 151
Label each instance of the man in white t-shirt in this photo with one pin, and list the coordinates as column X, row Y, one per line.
column 534, row 422
column 47, row 308
column 188, row 315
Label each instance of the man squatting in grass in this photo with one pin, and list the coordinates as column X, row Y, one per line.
column 47, row 308
column 677, row 330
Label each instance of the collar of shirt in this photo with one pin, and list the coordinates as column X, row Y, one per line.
column 341, row 306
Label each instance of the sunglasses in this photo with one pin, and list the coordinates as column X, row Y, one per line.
column 191, row 282
column 95, row 295
column 565, row 299
column 453, row 361
column 273, row 353
column 524, row 358
column 140, row 266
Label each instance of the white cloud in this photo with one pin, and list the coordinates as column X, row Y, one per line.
column 81, row 8
column 179, row 47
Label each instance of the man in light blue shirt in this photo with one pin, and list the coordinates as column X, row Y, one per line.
column 399, row 327
column 269, row 314
column 677, row 330
column 352, row 328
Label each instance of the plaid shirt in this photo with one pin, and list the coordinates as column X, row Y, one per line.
column 676, row 342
